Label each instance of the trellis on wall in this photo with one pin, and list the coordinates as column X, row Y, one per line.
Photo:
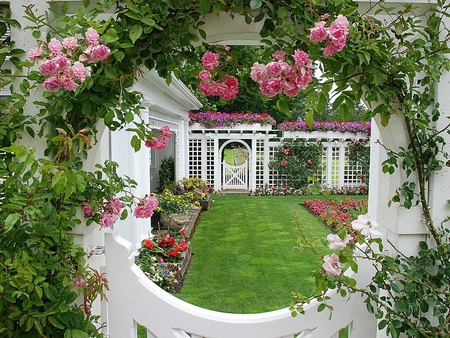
column 205, row 160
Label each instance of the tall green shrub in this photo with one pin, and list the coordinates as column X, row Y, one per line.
column 166, row 173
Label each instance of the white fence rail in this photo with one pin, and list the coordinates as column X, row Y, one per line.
column 135, row 299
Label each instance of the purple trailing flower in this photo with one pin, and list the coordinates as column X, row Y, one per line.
column 211, row 119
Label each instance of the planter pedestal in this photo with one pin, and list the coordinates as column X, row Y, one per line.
column 173, row 222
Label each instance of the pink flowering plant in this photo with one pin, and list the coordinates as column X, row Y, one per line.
column 335, row 126
column 297, row 163
column 213, row 79
column 211, row 119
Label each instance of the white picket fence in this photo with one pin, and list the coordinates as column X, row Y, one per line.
column 134, row 300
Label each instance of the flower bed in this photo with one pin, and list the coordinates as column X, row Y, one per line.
column 277, row 190
column 336, row 213
column 211, row 119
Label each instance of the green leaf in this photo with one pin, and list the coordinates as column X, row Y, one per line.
column 51, row 292
column 255, row 4
column 309, row 119
column 135, row 33
column 204, row 7
column 110, row 36
column 10, row 221
column 19, row 151
column 86, row 3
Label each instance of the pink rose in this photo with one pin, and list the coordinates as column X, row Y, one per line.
column 309, row 161
column 55, row 46
column 67, row 82
column 286, row 151
column 279, row 55
column 301, row 58
column 87, row 210
column 92, row 36
column 231, row 87
column 333, row 46
column 204, row 75
column 107, row 220
column 332, row 265
column 52, row 84
column 272, row 87
column 210, row 60
column 146, row 207
column 342, row 22
column 258, row 72
column 100, row 52
column 79, row 71
column 70, row 43
column 49, row 67
column 274, row 69
column 319, row 33
column 62, row 62
column 212, row 88
column 337, row 243
column 291, row 92
column 35, row 53
column 284, row 163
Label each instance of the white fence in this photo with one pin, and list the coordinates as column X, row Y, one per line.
column 137, row 300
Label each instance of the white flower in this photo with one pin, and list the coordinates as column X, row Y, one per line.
column 332, row 265
column 337, row 243
column 365, row 225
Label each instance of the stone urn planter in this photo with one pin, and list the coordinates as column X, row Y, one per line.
column 173, row 222
column 205, row 204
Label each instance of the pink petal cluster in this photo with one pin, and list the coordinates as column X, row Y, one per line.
column 63, row 68
column 161, row 143
column 146, row 207
column 111, row 213
column 226, row 88
column 79, row 283
column 338, row 243
column 280, row 77
column 284, row 163
column 334, row 36
column 87, row 210
column 332, row 265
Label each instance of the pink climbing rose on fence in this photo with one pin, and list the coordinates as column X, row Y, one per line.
column 281, row 77
column 212, row 81
column 161, row 143
column 63, row 64
column 334, row 36
column 146, row 207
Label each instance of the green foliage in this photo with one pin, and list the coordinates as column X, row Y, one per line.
column 359, row 154
column 297, row 162
column 166, row 173
column 40, row 261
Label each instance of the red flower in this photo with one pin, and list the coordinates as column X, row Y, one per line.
column 149, row 244
column 171, row 241
column 182, row 232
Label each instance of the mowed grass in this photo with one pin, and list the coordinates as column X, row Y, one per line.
column 246, row 257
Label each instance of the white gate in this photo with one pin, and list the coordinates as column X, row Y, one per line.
column 235, row 177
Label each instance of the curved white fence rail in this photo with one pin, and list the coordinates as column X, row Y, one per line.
column 133, row 299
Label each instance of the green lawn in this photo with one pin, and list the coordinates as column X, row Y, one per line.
column 245, row 254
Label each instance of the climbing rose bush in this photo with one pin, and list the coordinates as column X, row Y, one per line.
column 161, row 143
column 212, row 81
column 334, row 36
column 280, row 76
column 66, row 64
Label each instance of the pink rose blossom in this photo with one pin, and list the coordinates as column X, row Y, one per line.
column 272, row 87
column 70, row 43
column 213, row 88
column 92, row 36
column 86, row 56
column 114, row 206
column 365, row 225
column 62, row 62
column 286, row 151
column 258, row 72
column 100, row 52
column 301, row 58
column 51, row 84
column 210, row 60
column 49, row 67
column 107, row 219
column 35, row 53
column 55, row 47
column 284, row 163
column 204, row 75
column 87, row 210
column 232, row 87
column 279, row 55
column 274, row 69
column 79, row 71
column 309, row 161
column 342, row 22
column 332, row 265
column 146, row 207
column 319, row 33
column 337, row 243
column 67, row 82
